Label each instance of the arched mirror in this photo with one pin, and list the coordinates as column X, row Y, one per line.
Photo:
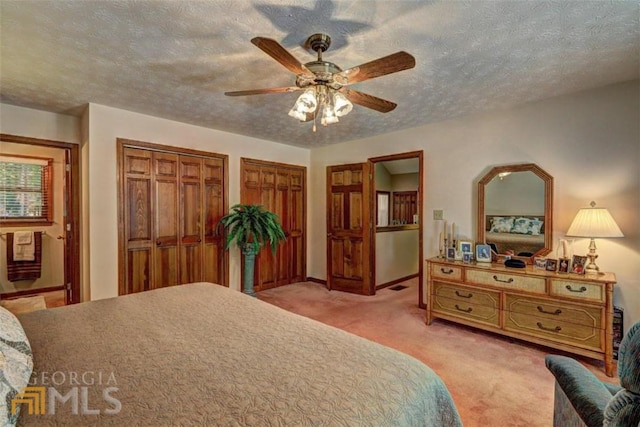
column 515, row 210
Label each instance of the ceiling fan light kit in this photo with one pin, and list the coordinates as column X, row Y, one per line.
column 324, row 83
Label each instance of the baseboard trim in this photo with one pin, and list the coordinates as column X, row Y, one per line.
column 396, row 281
column 315, row 280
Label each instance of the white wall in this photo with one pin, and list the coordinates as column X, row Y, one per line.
column 589, row 142
column 105, row 125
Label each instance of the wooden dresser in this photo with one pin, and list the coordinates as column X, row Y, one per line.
column 568, row 312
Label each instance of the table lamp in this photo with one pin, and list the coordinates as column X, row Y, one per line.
column 593, row 222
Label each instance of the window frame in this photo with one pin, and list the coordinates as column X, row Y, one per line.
column 47, row 191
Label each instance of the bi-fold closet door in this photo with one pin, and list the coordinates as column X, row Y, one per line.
column 170, row 204
column 281, row 189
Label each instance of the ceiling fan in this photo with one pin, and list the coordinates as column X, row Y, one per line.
column 325, row 84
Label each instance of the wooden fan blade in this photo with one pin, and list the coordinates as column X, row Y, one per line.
column 280, row 54
column 369, row 101
column 262, row 91
column 379, row 67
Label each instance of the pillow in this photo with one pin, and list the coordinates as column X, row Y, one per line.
column 16, row 364
column 524, row 225
column 500, row 224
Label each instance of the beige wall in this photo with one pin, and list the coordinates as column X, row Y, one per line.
column 396, row 255
column 39, row 124
column 105, row 125
column 589, row 142
column 405, row 182
column 52, row 270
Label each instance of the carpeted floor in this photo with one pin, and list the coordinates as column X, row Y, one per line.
column 494, row 380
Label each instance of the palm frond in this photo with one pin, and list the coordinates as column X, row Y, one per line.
column 252, row 225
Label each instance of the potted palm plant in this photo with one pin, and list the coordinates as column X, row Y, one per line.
column 250, row 227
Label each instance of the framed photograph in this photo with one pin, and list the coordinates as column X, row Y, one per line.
column 540, row 263
column 577, row 266
column 552, row 265
column 451, row 254
column 483, row 253
column 465, row 246
column 563, row 265
column 466, row 257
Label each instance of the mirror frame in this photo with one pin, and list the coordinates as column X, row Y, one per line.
column 548, row 204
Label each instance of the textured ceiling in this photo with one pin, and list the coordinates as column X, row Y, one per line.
column 175, row 59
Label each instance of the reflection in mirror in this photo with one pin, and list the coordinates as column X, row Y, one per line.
column 514, row 210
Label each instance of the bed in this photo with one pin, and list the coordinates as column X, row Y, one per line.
column 201, row 354
column 515, row 233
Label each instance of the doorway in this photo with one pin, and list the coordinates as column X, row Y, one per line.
column 397, row 238
column 58, row 235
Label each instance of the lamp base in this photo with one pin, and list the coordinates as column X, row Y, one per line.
column 591, row 267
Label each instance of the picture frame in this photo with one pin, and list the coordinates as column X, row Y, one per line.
column 552, row 265
column 465, row 246
column 578, row 263
column 451, row 254
column 466, row 257
column 483, row 253
column 540, row 263
column 563, row 265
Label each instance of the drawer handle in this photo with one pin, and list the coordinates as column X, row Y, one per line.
column 468, row 310
column 464, row 296
column 542, row 310
column 503, row 281
column 582, row 289
column 449, row 271
column 556, row 329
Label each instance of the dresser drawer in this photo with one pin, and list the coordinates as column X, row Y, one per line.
column 554, row 329
column 507, row 281
column 581, row 290
column 467, row 294
column 588, row 316
column 471, row 311
column 446, row 272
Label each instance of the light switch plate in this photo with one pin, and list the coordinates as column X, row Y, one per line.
column 438, row 214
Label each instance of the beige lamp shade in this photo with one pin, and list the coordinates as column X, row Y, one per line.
column 594, row 222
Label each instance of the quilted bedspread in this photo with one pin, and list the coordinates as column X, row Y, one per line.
column 201, row 354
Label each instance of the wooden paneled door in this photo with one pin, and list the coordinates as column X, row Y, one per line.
column 349, row 228
column 281, row 189
column 169, row 205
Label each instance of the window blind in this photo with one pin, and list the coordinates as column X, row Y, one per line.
column 25, row 188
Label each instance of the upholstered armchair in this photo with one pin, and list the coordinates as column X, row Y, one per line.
column 583, row 400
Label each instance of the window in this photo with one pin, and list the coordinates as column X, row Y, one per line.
column 25, row 190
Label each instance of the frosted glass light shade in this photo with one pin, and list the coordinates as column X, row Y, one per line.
column 594, row 222
column 307, row 102
column 341, row 105
column 328, row 116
